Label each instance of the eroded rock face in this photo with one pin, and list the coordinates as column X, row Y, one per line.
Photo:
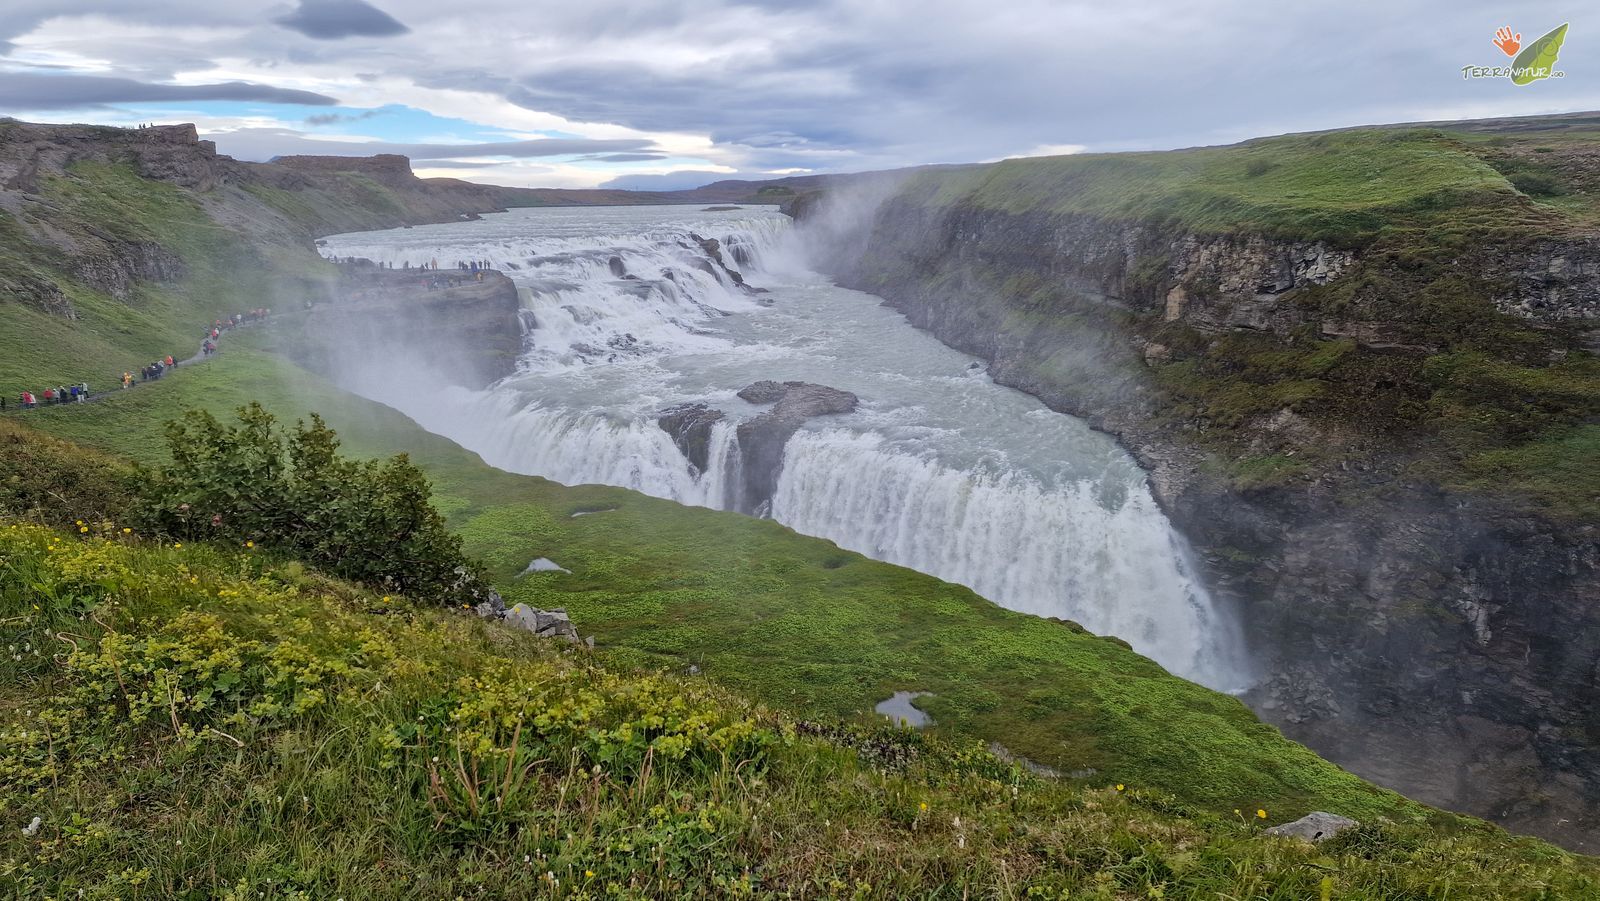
column 762, row 440
column 1444, row 645
column 469, row 331
column 690, row 426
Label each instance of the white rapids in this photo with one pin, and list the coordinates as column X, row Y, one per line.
column 940, row 469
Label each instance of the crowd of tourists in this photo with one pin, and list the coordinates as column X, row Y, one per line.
column 79, row 393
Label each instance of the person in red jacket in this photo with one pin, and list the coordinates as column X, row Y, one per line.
column 49, row 396
column 169, row 361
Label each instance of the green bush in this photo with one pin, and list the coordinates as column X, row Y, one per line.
column 1537, row 184
column 368, row 521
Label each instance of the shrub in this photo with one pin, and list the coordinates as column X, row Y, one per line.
column 368, row 521
column 1537, row 184
column 50, row 481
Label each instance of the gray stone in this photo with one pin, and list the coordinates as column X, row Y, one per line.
column 545, row 565
column 1315, row 827
column 523, row 617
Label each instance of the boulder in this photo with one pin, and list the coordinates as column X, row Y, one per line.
column 690, row 426
column 1314, row 827
column 761, row 440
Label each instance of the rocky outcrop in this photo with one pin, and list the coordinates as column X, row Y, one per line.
column 690, row 426
column 463, row 330
column 114, row 267
column 1314, row 827
column 715, row 265
column 167, row 153
column 762, row 439
column 289, row 201
column 386, row 168
column 1442, row 644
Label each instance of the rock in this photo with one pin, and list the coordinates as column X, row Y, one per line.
column 1315, row 827
column 1155, row 354
column 765, row 391
column 545, row 565
column 690, row 426
column 617, row 268
column 761, row 440
column 523, row 617
column 543, row 623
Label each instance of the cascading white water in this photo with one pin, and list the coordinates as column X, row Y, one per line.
column 940, row 469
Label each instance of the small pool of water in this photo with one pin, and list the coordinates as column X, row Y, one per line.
column 899, row 709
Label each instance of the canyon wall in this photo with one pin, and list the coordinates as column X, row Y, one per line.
column 1442, row 642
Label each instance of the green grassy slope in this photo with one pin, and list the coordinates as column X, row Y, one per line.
column 1342, row 186
column 794, row 621
column 198, row 722
column 110, row 336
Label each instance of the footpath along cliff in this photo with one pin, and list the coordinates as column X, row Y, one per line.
column 1359, row 370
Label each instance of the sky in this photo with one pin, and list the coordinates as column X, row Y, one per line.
column 671, row 94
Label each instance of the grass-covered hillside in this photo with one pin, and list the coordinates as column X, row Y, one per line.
column 216, row 721
column 1341, row 186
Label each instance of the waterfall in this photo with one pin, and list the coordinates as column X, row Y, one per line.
column 940, row 471
column 1061, row 551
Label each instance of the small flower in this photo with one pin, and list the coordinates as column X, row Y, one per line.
column 923, row 806
column 127, row 531
column 83, row 528
column 1261, row 814
column 177, row 545
column 589, row 874
column 249, row 544
column 1120, row 786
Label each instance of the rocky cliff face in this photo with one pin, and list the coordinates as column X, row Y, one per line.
column 761, row 439
column 1444, row 644
column 463, row 330
column 289, row 201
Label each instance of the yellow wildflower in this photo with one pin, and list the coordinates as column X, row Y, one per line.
column 249, row 544
column 127, row 531
column 923, row 805
column 1120, row 786
column 83, row 528
column 1261, row 814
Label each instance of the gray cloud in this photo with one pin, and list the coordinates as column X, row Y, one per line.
column 682, row 179
column 266, row 143
column 626, row 157
column 452, row 164
column 328, row 20
column 340, row 118
column 32, row 91
column 831, row 85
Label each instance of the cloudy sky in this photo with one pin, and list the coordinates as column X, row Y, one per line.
column 673, row 94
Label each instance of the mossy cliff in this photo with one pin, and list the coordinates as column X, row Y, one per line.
column 1358, row 367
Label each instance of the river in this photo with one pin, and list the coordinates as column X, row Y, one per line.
column 939, row 469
